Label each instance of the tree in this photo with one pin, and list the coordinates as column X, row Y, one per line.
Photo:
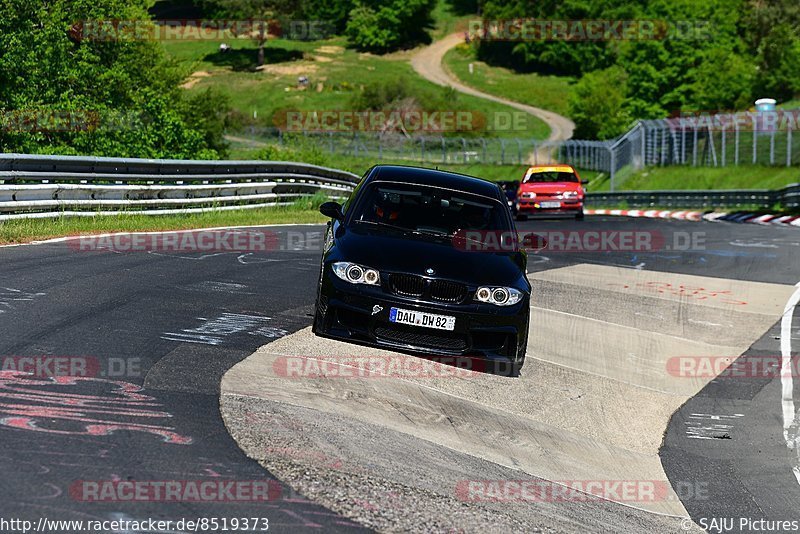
column 122, row 92
column 597, row 104
column 264, row 13
column 383, row 25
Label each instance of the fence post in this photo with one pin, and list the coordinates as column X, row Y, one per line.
column 788, row 145
column 755, row 145
column 723, row 145
column 613, row 169
column 683, row 144
column 644, row 145
column 772, row 148
column 736, row 144
column 444, row 151
column 422, row 150
column 711, row 147
column 502, row 151
column 694, row 147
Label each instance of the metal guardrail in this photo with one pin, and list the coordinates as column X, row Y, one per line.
column 786, row 199
column 33, row 186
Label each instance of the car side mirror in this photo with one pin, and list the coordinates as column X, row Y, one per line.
column 584, row 182
column 533, row 242
column 332, row 210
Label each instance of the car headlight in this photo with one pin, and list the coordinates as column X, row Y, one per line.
column 499, row 296
column 570, row 194
column 356, row 274
column 528, row 194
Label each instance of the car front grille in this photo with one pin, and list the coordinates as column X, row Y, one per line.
column 448, row 291
column 409, row 285
column 396, row 334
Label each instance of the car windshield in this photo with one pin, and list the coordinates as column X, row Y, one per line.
column 552, row 176
column 428, row 210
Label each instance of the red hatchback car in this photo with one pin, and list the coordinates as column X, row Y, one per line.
column 550, row 190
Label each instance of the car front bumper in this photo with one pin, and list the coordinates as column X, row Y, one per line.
column 567, row 207
column 360, row 314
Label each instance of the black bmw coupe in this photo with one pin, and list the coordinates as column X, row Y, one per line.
column 412, row 262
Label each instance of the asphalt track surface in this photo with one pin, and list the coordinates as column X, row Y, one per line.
column 147, row 311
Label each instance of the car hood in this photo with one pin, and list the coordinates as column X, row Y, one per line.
column 389, row 252
column 549, row 187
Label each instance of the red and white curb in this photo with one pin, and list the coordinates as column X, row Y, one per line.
column 652, row 214
column 741, row 217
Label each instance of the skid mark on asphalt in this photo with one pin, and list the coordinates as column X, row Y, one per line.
column 216, row 331
column 9, row 297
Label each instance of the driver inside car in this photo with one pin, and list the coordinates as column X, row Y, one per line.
column 385, row 210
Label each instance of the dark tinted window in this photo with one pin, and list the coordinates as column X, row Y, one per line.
column 429, row 210
column 552, row 176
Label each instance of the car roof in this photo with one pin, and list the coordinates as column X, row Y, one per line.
column 436, row 178
column 549, row 168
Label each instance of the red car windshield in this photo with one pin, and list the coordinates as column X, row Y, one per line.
column 551, row 176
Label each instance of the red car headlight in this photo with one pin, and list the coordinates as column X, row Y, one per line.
column 528, row 194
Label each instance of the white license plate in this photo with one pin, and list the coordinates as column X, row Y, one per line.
column 549, row 204
column 426, row 320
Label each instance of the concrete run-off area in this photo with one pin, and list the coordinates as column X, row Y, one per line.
column 593, row 402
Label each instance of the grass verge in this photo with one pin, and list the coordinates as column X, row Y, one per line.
column 547, row 92
column 680, row 177
column 27, row 230
column 335, row 74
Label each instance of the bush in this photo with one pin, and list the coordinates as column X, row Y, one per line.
column 597, row 104
column 296, row 149
column 380, row 25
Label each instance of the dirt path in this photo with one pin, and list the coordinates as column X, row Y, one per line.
column 428, row 64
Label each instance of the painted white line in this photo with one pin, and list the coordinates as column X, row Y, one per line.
column 707, row 323
column 756, row 244
column 787, row 382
